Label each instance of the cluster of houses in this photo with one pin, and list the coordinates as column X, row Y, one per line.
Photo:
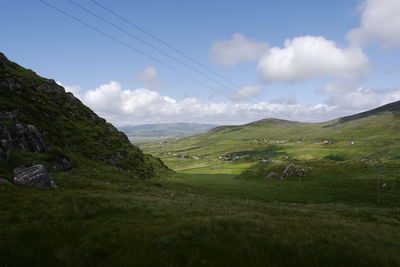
column 268, row 141
column 268, row 160
column 231, row 157
column 299, row 141
column 329, row 141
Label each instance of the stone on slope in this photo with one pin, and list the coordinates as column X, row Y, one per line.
column 62, row 164
column 35, row 176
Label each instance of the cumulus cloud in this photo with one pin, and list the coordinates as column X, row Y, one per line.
column 129, row 107
column 360, row 99
column 151, row 78
column 380, row 22
column 247, row 92
column 308, row 57
column 237, row 50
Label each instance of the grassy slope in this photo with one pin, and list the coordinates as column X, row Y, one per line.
column 103, row 218
column 375, row 137
column 207, row 217
column 69, row 127
column 348, row 179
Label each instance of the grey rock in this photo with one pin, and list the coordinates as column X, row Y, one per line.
column 4, row 151
column 8, row 115
column 23, row 138
column 9, row 84
column 49, row 86
column 63, row 164
column 113, row 159
column 35, row 176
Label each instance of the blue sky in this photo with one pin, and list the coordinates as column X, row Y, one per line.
column 364, row 71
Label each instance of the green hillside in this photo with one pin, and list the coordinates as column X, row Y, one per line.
column 277, row 160
column 69, row 128
column 373, row 134
column 217, row 209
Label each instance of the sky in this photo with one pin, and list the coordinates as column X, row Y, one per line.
column 231, row 62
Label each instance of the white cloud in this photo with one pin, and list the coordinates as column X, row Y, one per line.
column 139, row 106
column 130, row 107
column 360, row 99
column 151, row 78
column 308, row 57
column 380, row 23
column 247, row 92
column 237, row 50
column 391, row 97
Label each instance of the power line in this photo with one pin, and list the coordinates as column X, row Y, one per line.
column 164, row 43
column 155, row 48
column 129, row 46
column 171, row 47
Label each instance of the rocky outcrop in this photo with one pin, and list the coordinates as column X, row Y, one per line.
column 23, row 138
column 62, row 164
column 9, row 84
column 4, row 151
column 35, row 176
column 290, row 170
column 8, row 115
column 64, row 122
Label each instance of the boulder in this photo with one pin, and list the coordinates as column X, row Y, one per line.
column 35, row 176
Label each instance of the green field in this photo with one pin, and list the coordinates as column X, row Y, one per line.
column 100, row 217
column 219, row 206
column 213, row 212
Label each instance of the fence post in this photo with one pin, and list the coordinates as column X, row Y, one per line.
column 378, row 186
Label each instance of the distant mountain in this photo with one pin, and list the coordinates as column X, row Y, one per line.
column 41, row 123
column 165, row 130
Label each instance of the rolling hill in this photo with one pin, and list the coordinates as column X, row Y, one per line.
column 212, row 211
column 371, row 135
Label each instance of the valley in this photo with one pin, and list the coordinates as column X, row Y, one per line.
column 336, row 162
column 272, row 192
